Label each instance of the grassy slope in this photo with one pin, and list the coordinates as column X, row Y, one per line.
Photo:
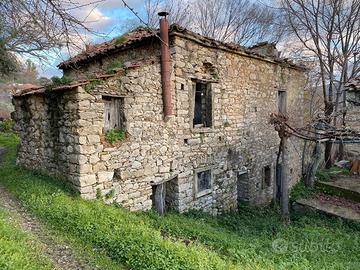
column 18, row 250
column 191, row 241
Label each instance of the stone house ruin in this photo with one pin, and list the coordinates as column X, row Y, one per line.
column 195, row 112
column 353, row 114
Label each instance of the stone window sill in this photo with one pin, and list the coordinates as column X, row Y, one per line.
column 203, row 130
column 203, row 193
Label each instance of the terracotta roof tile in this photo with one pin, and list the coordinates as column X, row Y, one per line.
column 42, row 89
column 145, row 35
column 123, row 41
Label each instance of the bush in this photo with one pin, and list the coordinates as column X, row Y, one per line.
column 114, row 65
column 114, row 135
column 300, row 191
column 7, row 125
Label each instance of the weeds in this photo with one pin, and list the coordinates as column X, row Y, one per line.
column 114, row 65
column 115, row 135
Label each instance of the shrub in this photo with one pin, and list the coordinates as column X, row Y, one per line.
column 56, row 82
column 92, row 84
column 114, row 135
column 114, row 65
column 7, row 125
column 301, row 191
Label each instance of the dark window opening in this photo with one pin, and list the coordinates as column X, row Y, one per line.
column 267, row 176
column 282, row 102
column 165, row 196
column 114, row 116
column 203, row 105
column 203, row 182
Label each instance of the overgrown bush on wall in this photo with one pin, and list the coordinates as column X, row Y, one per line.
column 114, row 135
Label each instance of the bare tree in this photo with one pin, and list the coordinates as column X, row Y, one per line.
column 179, row 11
column 330, row 31
column 34, row 26
column 241, row 21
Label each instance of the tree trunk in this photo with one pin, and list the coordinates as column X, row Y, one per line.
column 303, row 161
column 342, row 147
column 285, row 181
column 315, row 162
column 328, row 155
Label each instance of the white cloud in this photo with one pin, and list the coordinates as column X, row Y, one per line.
column 93, row 18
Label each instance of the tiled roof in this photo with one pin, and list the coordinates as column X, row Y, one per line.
column 33, row 89
column 126, row 40
column 42, row 89
column 145, row 35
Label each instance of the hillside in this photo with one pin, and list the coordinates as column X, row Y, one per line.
column 250, row 239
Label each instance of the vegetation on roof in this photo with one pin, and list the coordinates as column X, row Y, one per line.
column 57, row 81
column 92, row 84
column 140, row 27
column 114, row 65
column 120, row 40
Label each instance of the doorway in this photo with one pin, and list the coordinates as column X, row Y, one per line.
column 242, row 185
column 165, row 196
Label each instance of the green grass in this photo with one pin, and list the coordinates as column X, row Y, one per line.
column 326, row 174
column 251, row 239
column 18, row 250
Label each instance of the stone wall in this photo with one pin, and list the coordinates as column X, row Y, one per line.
column 353, row 122
column 240, row 140
column 46, row 125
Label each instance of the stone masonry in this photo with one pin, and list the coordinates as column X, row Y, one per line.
column 212, row 167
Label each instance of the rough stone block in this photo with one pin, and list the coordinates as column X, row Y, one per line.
column 105, row 176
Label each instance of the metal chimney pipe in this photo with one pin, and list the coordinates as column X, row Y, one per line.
column 165, row 64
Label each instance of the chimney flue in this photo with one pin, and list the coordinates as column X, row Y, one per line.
column 165, row 64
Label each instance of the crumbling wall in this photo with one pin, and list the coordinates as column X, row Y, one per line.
column 353, row 122
column 45, row 124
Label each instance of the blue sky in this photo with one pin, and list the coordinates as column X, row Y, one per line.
column 109, row 18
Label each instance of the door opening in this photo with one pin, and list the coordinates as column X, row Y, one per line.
column 165, row 196
column 242, row 184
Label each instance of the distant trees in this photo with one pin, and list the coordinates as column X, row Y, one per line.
column 241, row 21
column 34, row 27
column 329, row 31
